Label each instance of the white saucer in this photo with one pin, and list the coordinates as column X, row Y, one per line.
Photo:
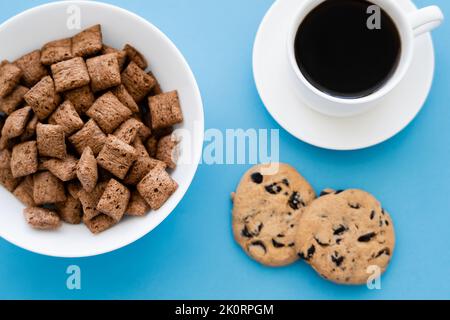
column 276, row 87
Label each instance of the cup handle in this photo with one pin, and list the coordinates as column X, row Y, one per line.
column 426, row 19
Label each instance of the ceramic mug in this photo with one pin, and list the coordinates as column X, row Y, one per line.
column 409, row 25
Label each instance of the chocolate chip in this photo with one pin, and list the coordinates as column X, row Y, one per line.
column 277, row 244
column 385, row 251
column 309, row 253
column 354, row 205
column 257, row 178
column 367, row 237
column 383, row 211
column 281, row 235
column 292, row 244
column 259, row 244
column 340, row 230
column 273, row 188
column 372, row 215
column 338, row 241
column 386, row 222
column 285, row 182
column 321, row 243
column 245, row 233
column 249, row 234
column 295, row 201
column 337, row 259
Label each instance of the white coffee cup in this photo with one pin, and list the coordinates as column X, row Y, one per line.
column 409, row 25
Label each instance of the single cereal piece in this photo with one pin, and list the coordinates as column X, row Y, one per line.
column 117, row 156
column 134, row 55
column 342, row 234
column 87, row 171
column 56, row 51
column 89, row 136
column 87, row 42
column 120, row 55
column 104, row 72
column 10, row 76
column 157, row 187
column 48, row 189
column 32, row 68
column 100, row 223
column 73, row 188
column 6, row 178
column 266, row 207
column 89, row 201
column 165, row 110
column 157, row 88
column 65, row 169
column 43, row 98
column 114, row 201
column 30, row 129
column 24, row 159
column 137, row 206
column 127, row 100
column 70, row 74
column 12, row 101
column 167, row 151
column 24, row 192
column 142, row 166
column 67, row 117
column 42, row 219
column 82, row 98
column 51, row 141
column 15, row 124
column 70, row 210
column 108, row 112
column 137, row 82
column 128, row 131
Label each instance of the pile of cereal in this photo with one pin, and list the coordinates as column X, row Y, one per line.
column 86, row 133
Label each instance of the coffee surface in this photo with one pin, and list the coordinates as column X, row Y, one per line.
column 339, row 54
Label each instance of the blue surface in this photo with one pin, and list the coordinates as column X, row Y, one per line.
column 192, row 255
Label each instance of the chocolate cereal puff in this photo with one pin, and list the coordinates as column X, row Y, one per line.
column 48, row 189
column 117, row 157
column 167, row 151
column 42, row 219
column 87, row 42
column 108, row 112
column 12, row 101
column 24, row 192
column 10, row 76
column 157, row 187
column 137, row 206
column 142, row 166
column 6, row 178
column 100, row 223
column 67, row 117
column 82, row 98
column 32, row 68
column 165, row 110
column 30, row 129
column 129, row 130
column 56, row 51
column 124, row 96
column 89, row 136
column 137, row 82
column 43, row 98
column 120, row 55
column 64, row 170
column 24, row 159
column 114, row 200
column 70, row 210
column 70, row 74
column 89, row 201
column 134, row 55
column 15, row 124
column 104, row 72
column 87, row 171
column 51, row 141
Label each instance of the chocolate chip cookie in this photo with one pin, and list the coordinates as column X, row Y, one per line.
column 267, row 205
column 343, row 233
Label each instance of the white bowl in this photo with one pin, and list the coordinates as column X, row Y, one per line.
column 33, row 28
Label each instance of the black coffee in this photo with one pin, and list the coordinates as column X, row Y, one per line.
column 339, row 54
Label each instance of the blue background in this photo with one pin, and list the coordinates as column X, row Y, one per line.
column 192, row 255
